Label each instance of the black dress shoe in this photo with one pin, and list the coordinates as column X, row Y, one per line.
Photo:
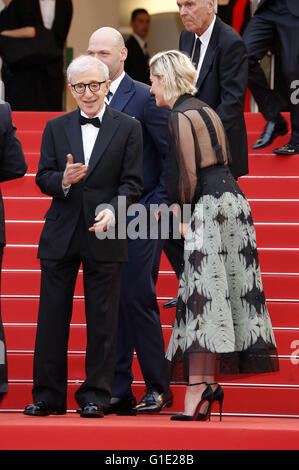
column 91, row 410
column 121, row 406
column 171, row 303
column 272, row 130
column 287, row 149
column 153, row 401
column 42, row 408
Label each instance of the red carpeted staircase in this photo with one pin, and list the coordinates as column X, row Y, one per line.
column 261, row 405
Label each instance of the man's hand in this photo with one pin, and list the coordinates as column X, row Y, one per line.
column 103, row 221
column 73, row 172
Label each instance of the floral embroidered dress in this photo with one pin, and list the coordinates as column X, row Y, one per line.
column 222, row 324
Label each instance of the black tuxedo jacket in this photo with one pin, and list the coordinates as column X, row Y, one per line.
column 136, row 64
column 12, row 160
column 222, row 84
column 115, row 169
column 293, row 6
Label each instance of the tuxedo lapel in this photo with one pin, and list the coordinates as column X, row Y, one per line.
column 209, row 55
column 123, row 93
column 206, row 65
column 74, row 134
column 110, row 124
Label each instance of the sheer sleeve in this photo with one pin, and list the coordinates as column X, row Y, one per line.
column 197, row 141
column 182, row 159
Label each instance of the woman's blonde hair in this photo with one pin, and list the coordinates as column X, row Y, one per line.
column 178, row 70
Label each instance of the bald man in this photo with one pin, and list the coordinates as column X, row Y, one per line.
column 139, row 319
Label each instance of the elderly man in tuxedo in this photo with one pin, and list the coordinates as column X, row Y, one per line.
column 272, row 20
column 90, row 157
column 220, row 57
column 139, row 317
column 12, row 166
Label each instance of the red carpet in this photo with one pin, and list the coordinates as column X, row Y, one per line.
column 260, row 412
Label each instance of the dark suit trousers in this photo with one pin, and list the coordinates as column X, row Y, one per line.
column 3, row 359
column 101, row 290
column 139, row 320
column 266, row 25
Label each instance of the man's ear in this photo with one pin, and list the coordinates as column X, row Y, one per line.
column 107, row 85
column 123, row 54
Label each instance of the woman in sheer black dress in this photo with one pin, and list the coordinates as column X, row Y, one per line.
column 222, row 325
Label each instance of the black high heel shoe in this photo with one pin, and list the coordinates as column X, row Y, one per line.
column 207, row 395
column 218, row 395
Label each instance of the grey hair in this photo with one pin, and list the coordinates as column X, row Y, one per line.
column 178, row 70
column 84, row 63
column 215, row 4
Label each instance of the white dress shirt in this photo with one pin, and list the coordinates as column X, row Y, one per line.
column 204, row 39
column 47, row 8
column 141, row 43
column 114, row 86
column 90, row 134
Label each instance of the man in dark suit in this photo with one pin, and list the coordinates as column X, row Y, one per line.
column 275, row 19
column 103, row 172
column 136, row 64
column 36, row 86
column 219, row 54
column 12, row 166
column 139, row 319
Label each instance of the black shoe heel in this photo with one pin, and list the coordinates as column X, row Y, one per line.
column 218, row 395
column 207, row 395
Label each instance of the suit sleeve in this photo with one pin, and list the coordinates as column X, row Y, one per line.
column 12, row 160
column 131, row 179
column 49, row 175
column 62, row 24
column 233, row 73
column 156, row 122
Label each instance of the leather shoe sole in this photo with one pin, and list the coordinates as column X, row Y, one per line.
column 287, row 149
column 271, row 131
column 91, row 410
column 171, row 303
column 164, row 400
column 42, row 409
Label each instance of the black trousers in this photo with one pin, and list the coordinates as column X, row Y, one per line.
column 3, row 357
column 272, row 22
column 139, row 320
column 101, row 290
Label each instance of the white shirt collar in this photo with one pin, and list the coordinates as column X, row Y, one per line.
column 206, row 36
column 99, row 115
column 140, row 41
column 115, row 84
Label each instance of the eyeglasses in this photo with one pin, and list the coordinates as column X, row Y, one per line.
column 80, row 88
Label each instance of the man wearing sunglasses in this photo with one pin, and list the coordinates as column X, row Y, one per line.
column 89, row 158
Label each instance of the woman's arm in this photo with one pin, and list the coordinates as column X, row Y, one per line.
column 26, row 32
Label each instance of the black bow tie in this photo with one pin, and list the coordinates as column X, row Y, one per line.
column 94, row 121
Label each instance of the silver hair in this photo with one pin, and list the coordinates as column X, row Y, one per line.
column 84, row 63
column 215, row 4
